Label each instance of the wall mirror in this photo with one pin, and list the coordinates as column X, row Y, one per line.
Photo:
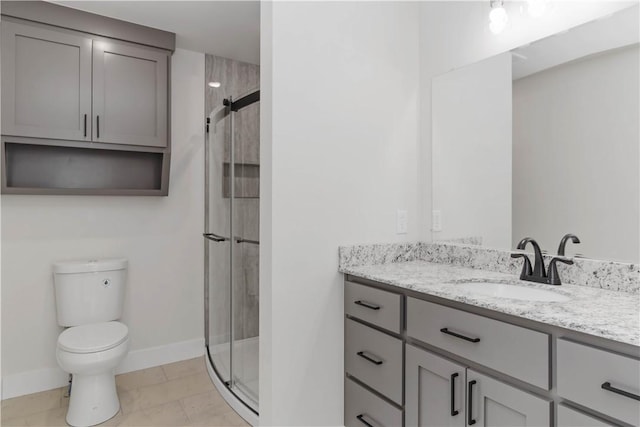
column 543, row 141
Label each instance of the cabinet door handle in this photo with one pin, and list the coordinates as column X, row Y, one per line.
column 470, row 420
column 369, row 358
column 85, row 125
column 453, row 334
column 97, row 126
column 367, row 305
column 607, row 386
column 453, row 394
column 363, row 421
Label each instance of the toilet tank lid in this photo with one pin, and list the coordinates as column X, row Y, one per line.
column 90, row 265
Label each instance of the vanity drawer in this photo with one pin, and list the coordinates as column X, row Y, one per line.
column 362, row 405
column 373, row 305
column 584, row 370
column 513, row 350
column 568, row 417
column 374, row 358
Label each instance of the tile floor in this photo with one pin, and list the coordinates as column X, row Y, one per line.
column 177, row 394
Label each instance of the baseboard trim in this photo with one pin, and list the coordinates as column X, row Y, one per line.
column 46, row 379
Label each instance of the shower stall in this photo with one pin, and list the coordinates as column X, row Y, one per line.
column 231, row 239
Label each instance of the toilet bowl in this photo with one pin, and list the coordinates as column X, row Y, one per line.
column 90, row 353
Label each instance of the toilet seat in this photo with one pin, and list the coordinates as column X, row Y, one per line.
column 93, row 338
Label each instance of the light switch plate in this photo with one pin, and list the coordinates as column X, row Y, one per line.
column 401, row 222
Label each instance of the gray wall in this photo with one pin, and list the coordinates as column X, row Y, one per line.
column 575, row 155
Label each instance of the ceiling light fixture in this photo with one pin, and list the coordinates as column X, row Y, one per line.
column 498, row 17
column 214, row 84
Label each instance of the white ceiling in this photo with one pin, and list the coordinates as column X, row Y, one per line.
column 225, row 28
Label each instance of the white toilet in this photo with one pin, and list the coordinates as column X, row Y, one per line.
column 89, row 298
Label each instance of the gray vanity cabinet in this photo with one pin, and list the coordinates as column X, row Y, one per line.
column 494, row 403
column 435, row 390
column 46, row 82
column 129, row 94
column 440, row 392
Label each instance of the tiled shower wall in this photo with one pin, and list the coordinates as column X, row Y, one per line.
column 237, row 79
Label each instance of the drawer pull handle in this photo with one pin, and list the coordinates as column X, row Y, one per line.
column 453, row 334
column 367, row 305
column 363, row 421
column 369, row 358
column 453, row 394
column 470, row 420
column 607, row 386
column 97, row 126
column 85, row 125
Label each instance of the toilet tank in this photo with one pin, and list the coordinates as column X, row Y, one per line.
column 89, row 291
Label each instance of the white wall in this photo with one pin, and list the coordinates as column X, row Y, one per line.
column 456, row 33
column 472, row 151
column 161, row 237
column 582, row 162
column 339, row 138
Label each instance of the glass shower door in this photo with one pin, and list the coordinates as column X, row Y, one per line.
column 232, row 246
column 246, row 219
column 218, row 247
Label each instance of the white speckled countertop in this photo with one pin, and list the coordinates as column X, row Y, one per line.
column 604, row 313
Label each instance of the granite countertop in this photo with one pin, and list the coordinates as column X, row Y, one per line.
column 604, row 313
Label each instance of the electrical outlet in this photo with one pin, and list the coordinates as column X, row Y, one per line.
column 436, row 220
column 401, row 222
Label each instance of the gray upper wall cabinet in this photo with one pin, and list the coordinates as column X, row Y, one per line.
column 85, row 103
column 46, row 83
column 129, row 95
column 51, row 89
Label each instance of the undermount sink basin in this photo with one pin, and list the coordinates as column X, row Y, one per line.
column 501, row 290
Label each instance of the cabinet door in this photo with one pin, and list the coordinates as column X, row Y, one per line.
column 46, row 83
column 129, row 95
column 434, row 390
column 493, row 403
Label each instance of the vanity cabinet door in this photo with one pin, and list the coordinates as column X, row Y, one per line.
column 46, row 83
column 494, row 403
column 129, row 94
column 434, row 390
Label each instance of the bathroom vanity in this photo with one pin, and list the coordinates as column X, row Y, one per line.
column 425, row 345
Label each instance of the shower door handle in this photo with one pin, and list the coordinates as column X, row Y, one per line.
column 215, row 237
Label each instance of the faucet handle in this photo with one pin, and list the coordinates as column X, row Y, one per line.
column 554, row 277
column 526, row 266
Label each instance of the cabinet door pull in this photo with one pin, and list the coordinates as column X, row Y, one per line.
column 607, row 386
column 453, row 334
column 367, row 305
column 363, row 421
column 85, row 125
column 369, row 358
column 470, row 420
column 453, row 394
column 97, row 126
